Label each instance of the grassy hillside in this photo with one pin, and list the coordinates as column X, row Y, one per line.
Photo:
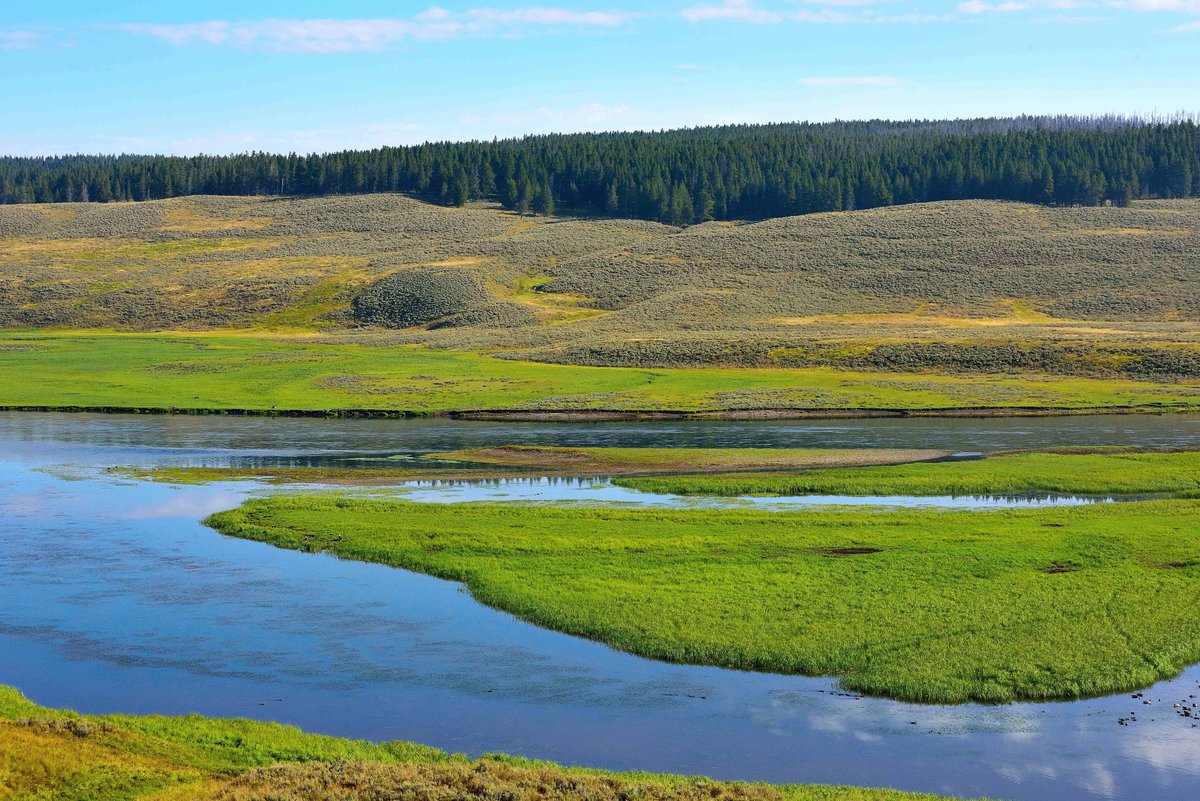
column 970, row 287
column 57, row 755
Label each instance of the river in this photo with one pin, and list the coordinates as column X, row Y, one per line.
column 114, row 598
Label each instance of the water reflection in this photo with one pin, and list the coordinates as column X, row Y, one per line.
column 597, row 489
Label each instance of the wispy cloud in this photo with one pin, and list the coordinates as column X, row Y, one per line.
column 845, row 3
column 817, row 12
column 356, row 35
column 736, row 10
column 1013, row 6
column 984, row 7
column 970, row 8
column 1178, row 6
column 880, row 12
column 18, row 39
column 852, row 80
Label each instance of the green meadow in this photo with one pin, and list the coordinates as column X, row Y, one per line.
column 264, row 373
column 922, row 605
column 58, row 755
column 1103, row 472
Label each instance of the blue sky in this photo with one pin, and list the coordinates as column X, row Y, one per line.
column 220, row 77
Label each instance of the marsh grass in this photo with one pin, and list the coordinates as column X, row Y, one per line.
column 936, row 606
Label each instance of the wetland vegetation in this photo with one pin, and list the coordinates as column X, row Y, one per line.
column 924, row 605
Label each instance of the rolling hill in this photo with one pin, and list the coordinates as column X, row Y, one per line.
column 963, row 286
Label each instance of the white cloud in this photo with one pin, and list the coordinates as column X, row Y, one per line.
column 549, row 16
column 979, row 7
column 1010, row 6
column 735, row 10
column 822, row 12
column 18, row 40
column 1177, row 6
column 357, row 35
column 984, row 7
column 844, row 3
column 852, row 80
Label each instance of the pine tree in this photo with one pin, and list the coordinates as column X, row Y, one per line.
column 459, row 190
column 682, row 211
column 543, row 200
column 525, row 200
column 729, row 172
column 612, row 203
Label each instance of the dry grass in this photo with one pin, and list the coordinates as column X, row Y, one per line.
column 482, row 781
column 676, row 460
column 951, row 287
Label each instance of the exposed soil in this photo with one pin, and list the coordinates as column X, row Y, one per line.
column 1055, row 568
column 850, row 551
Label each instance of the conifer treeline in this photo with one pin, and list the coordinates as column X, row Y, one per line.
column 687, row 175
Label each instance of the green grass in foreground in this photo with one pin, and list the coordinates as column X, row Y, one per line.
column 1118, row 472
column 264, row 373
column 57, row 755
column 652, row 460
column 943, row 606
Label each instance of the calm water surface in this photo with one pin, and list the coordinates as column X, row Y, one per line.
column 114, row 598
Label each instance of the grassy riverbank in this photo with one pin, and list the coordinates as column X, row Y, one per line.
column 57, row 755
column 1094, row 472
column 274, row 374
column 921, row 605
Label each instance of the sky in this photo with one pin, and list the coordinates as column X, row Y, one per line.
column 306, row 76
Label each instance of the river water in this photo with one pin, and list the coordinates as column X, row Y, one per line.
column 114, row 598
